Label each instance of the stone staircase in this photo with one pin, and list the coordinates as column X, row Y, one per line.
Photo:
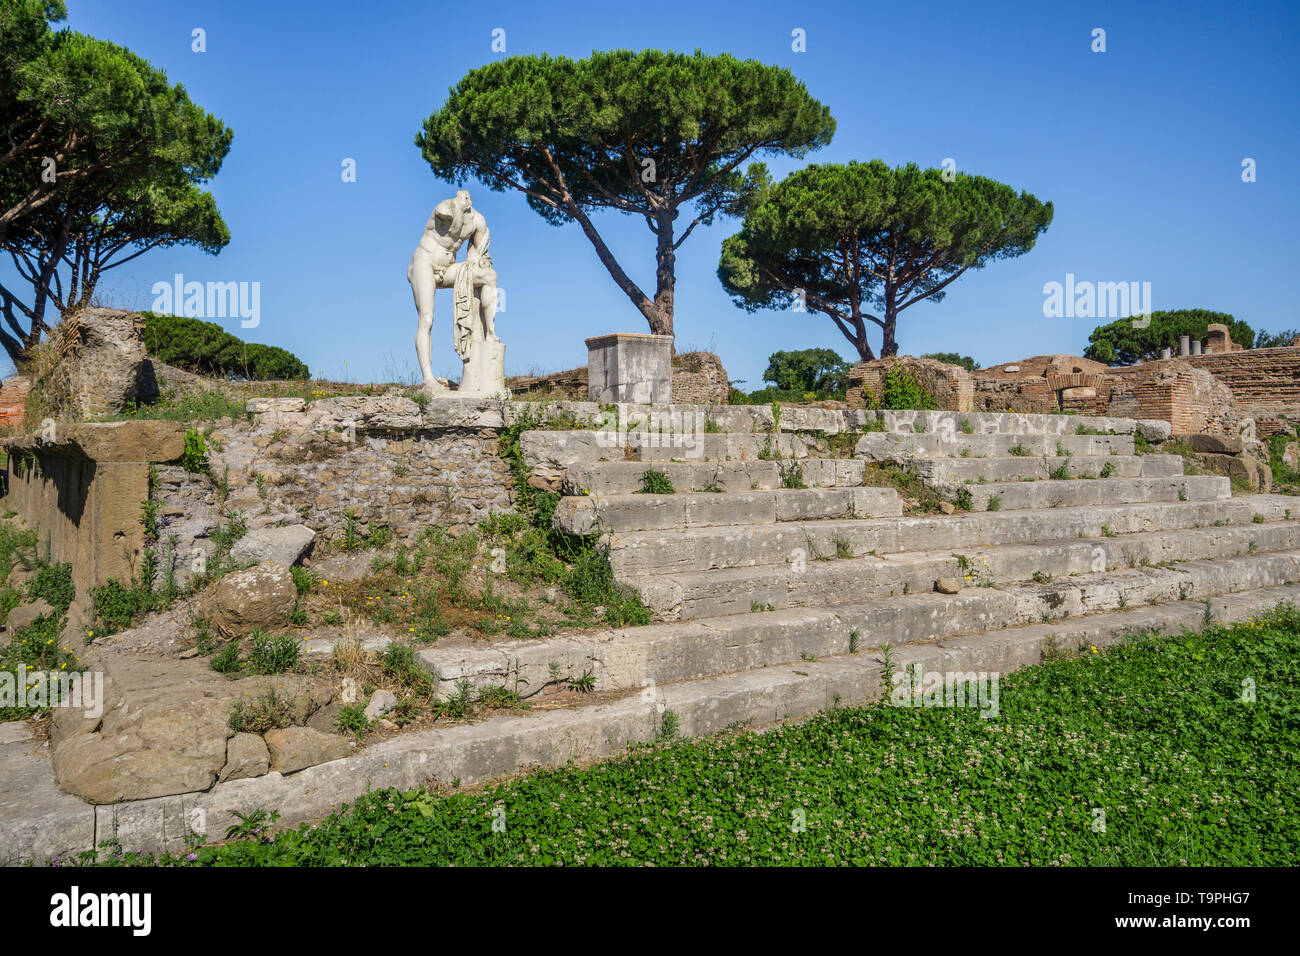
column 780, row 582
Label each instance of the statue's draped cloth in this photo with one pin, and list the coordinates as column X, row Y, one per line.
column 464, row 310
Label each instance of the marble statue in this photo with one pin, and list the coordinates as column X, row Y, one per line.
column 454, row 223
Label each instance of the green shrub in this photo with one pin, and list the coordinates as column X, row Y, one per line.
column 352, row 719
column 655, row 482
column 208, row 349
column 226, row 660
column 272, row 655
column 53, row 583
column 117, row 605
column 791, row 474
column 195, row 457
column 899, row 389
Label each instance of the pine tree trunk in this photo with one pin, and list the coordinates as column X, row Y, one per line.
column 665, row 274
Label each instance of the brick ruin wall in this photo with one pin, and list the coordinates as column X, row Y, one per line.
column 1190, row 399
column 950, row 386
column 699, row 379
column 1211, row 393
column 1264, row 382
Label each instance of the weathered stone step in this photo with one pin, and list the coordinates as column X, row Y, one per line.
column 950, row 474
column 477, row 753
column 794, row 418
column 660, row 654
column 826, row 583
column 1020, row 495
column 626, row 477
column 560, row 449
column 1274, row 507
column 903, row 447
column 1014, row 423
column 584, row 515
column 700, row 549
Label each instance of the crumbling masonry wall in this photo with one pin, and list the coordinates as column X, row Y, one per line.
column 82, row 488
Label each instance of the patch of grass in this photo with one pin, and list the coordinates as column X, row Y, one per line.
column 1018, row 450
column 399, row 663
column 591, row 583
column 269, row 654
column 906, row 483
column 304, row 579
column 206, row 406
column 227, row 660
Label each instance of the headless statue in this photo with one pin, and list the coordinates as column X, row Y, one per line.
column 433, row 266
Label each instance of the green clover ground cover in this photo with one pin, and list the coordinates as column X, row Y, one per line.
column 1154, row 732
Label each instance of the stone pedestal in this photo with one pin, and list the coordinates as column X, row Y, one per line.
column 484, row 372
column 630, row 367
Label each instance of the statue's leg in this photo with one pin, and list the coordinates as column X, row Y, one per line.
column 488, row 300
column 423, row 285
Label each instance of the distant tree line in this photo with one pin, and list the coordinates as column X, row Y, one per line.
column 1132, row 340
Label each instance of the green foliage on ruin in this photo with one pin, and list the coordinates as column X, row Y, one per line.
column 36, row 645
column 195, row 457
column 1123, row 343
column 900, row 390
column 537, row 553
column 205, row 348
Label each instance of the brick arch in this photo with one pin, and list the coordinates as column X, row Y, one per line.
column 1056, row 381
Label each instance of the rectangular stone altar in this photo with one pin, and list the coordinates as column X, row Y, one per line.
column 630, row 367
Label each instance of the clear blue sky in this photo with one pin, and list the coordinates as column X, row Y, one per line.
column 1139, row 148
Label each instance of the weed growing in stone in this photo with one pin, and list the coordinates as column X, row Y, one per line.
column 655, row 482
column 269, row 654
column 269, row 711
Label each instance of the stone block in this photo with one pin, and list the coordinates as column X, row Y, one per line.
column 630, row 367
column 296, row 748
column 1213, row 444
column 282, row 545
